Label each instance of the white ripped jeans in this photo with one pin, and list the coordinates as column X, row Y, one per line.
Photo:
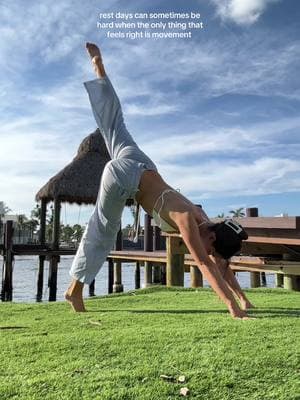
column 119, row 181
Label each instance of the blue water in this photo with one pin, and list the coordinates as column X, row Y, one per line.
column 25, row 276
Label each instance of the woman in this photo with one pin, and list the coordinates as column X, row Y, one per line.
column 131, row 174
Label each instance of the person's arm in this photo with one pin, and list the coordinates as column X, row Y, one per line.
column 232, row 282
column 188, row 228
column 198, row 212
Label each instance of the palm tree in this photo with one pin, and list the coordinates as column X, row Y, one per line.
column 78, row 231
column 32, row 224
column 66, row 233
column 49, row 224
column 222, row 215
column 238, row 213
column 21, row 222
column 36, row 213
column 4, row 209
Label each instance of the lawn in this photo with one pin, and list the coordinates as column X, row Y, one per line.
column 124, row 343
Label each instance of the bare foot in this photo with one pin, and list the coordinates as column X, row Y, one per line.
column 76, row 302
column 94, row 53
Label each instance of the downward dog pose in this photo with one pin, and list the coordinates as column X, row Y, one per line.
column 131, row 174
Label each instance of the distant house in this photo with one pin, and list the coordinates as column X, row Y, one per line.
column 9, row 217
column 22, row 235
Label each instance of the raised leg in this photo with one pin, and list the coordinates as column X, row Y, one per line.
column 106, row 107
column 108, row 114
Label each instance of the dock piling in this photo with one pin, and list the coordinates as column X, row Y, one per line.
column 148, row 246
column 196, row 277
column 137, row 275
column 54, row 260
column 42, row 234
column 158, row 273
column 118, row 286
column 110, row 275
column 290, row 282
column 52, row 280
column 40, row 281
column 254, row 276
column 175, row 262
column 92, row 289
column 7, row 278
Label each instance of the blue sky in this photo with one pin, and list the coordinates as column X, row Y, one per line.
column 218, row 113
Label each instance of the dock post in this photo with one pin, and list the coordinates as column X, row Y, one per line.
column 290, row 282
column 110, row 275
column 40, row 281
column 7, row 278
column 196, row 277
column 156, row 274
column 156, row 238
column 163, row 275
column 118, row 286
column 92, row 289
column 175, row 263
column 254, row 276
column 54, row 259
column 137, row 275
column 263, row 279
column 254, row 279
column 52, row 281
column 157, row 245
column 148, row 246
column 279, row 280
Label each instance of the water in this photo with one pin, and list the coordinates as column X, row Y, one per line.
column 26, row 273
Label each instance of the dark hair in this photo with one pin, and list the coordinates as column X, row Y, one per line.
column 229, row 237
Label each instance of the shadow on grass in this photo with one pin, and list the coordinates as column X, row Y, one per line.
column 165, row 311
column 278, row 311
column 12, row 327
column 274, row 312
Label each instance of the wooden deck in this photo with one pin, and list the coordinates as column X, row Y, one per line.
column 273, row 246
column 238, row 263
column 262, row 249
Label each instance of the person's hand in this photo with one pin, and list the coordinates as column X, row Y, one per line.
column 237, row 313
column 245, row 304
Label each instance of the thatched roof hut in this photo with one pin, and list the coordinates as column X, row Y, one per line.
column 79, row 181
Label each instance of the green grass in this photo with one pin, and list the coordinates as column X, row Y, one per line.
column 119, row 349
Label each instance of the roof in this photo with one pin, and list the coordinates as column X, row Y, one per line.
column 79, row 181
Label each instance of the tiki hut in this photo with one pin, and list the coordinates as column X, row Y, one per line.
column 79, row 181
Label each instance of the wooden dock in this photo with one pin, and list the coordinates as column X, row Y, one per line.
column 273, row 246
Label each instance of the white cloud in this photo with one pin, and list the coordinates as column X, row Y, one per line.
column 216, row 179
column 242, row 12
column 219, row 141
column 149, row 110
column 236, row 64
